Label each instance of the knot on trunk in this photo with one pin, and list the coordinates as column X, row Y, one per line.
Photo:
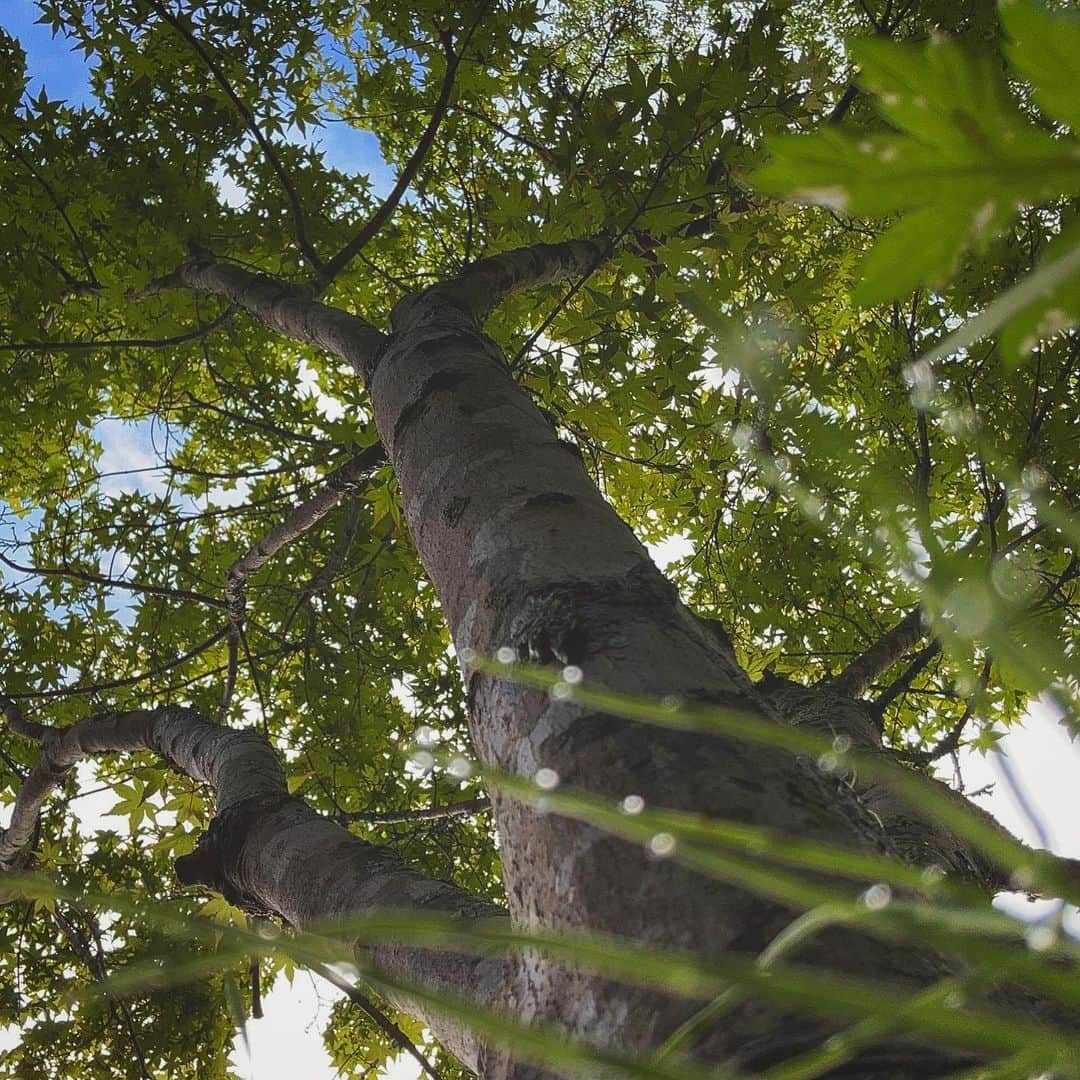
column 215, row 862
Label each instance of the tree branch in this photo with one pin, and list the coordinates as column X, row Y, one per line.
column 130, row 680
column 479, row 288
column 425, row 813
column 57, row 204
column 113, row 583
column 326, row 274
column 268, row 851
column 854, row 680
column 288, row 309
column 374, row 1013
column 905, row 679
column 951, row 741
column 297, row 210
column 348, row 478
column 121, row 343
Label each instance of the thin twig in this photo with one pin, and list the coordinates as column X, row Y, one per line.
column 326, row 274
column 425, row 813
column 382, row 1021
column 295, row 206
column 348, row 478
column 120, row 343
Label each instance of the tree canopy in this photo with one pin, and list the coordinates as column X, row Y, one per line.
column 833, row 354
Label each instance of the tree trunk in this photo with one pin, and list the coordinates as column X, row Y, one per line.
column 525, row 553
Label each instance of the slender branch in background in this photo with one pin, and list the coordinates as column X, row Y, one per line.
column 112, row 583
column 322, row 578
column 425, row 813
column 373, row 1012
column 131, row 680
column 326, row 274
column 121, row 343
column 907, row 677
column 342, row 481
column 854, row 680
column 255, row 979
column 885, row 28
column 57, row 204
column 295, row 206
column 950, row 743
column 847, row 99
column 538, row 148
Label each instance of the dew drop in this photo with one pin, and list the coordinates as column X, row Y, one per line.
column 547, row 779
column 842, row 744
column 672, row 702
column 1033, row 477
column 830, row 195
column 422, row 760
column 560, row 691
column 743, row 437
column 467, row 655
column 426, row 736
column 877, row 897
column 933, row 875
column 460, row 768
column 1041, row 938
column 662, row 844
column 828, row 763
column 505, row 655
column 1022, row 879
column 572, row 674
column 632, row 804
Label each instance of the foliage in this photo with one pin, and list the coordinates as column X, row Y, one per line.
column 750, row 374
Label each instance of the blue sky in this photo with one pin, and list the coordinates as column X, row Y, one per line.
column 64, row 72
column 52, row 63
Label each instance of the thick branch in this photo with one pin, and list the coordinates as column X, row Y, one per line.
column 237, row 764
column 479, row 288
column 268, row 851
column 289, row 309
column 861, row 672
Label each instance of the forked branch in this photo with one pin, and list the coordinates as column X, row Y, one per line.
column 341, row 482
column 856, row 678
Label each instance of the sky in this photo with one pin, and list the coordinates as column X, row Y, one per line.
column 287, row 1043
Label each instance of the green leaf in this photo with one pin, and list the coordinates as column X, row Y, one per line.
column 1045, row 49
column 920, row 249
